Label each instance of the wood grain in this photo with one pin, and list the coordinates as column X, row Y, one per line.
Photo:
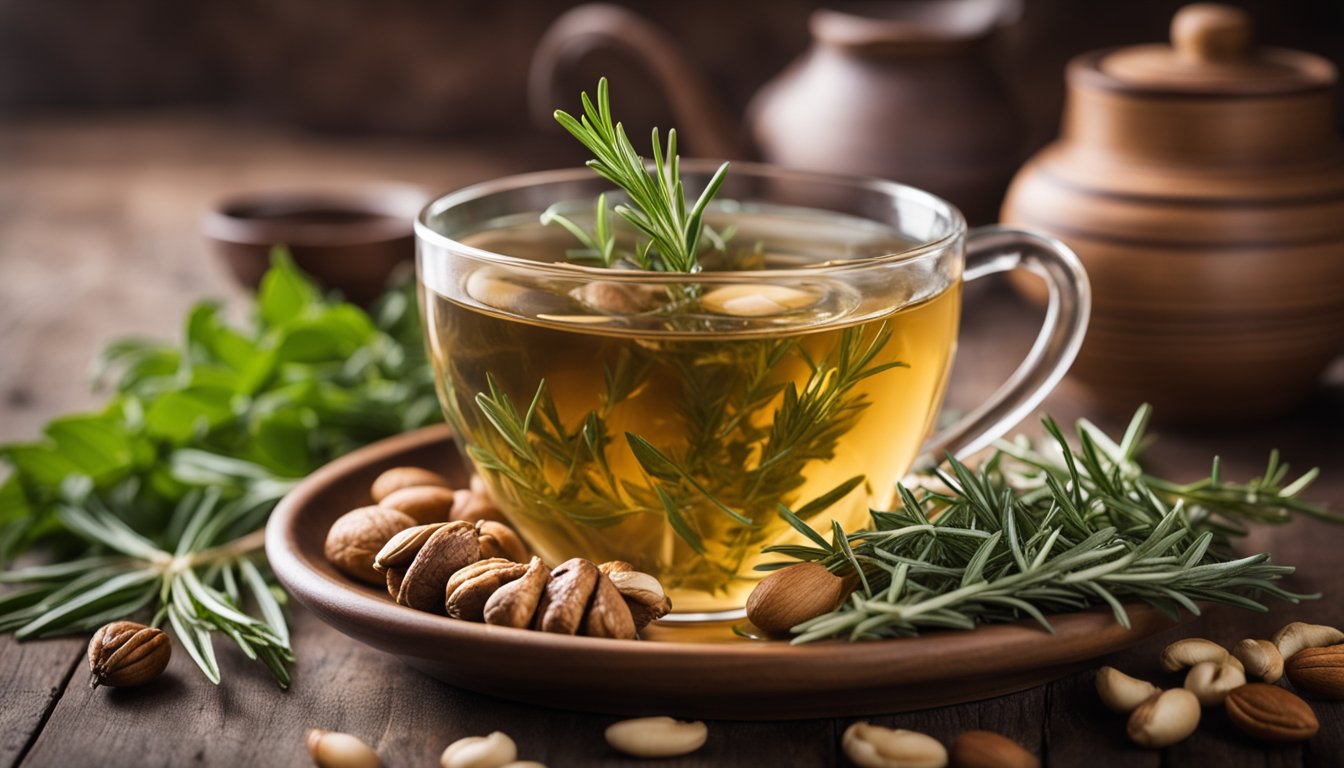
column 98, row 239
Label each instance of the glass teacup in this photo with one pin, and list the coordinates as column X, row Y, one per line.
column 664, row 419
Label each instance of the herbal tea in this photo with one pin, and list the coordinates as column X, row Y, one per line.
column 664, row 423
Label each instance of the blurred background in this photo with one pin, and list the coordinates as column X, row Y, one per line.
column 122, row 123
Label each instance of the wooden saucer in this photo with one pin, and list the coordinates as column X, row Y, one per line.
column 701, row 671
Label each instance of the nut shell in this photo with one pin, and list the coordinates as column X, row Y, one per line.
column 425, row 503
column 1318, row 672
column 1270, row 713
column 499, row 540
column 124, row 654
column 515, row 603
column 565, row 601
column 397, row 478
column 354, row 540
column 792, row 595
column 448, row 550
column 987, row 749
column 643, row 595
column 608, row 616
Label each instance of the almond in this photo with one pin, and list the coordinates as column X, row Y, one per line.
column 790, row 596
column 1269, row 713
column 397, row 478
column 987, row 749
column 1318, row 672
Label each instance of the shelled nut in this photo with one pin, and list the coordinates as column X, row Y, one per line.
column 1211, row 681
column 1298, row 635
column 353, row 541
column 470, row 588
column 792, row 595
column 471, row 506
column 1269, row 713
column 987, row 749
column 340, row 750
column 872, row 746
column 1191, row 651
column 643, row 595
column 397, row 478
column 1318, row 671
column 656, row 737
column 493, row 751
column 1122, row 693
column 1261, row 658
column 1165, row 719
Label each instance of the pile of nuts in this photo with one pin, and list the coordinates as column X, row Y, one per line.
column 450, row 552
column 1312, row 655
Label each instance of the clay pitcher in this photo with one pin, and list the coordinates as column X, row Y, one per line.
column 1202, row 184
column 899, row 90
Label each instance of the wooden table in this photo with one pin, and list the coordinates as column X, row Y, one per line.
column 99, row 239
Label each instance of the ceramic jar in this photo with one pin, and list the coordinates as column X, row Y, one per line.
column 1202, row 184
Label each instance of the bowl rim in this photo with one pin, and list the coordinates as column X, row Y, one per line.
column 392, row 207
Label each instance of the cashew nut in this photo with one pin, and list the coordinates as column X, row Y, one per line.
column 1193, row 650
column 1211, row 681
column 1261, row 659
column 656, row 737
column 1165, row 719
column 872, row 746
column 491, row 751
column 1122, row 693
column 1299, row 635
column 340, row 750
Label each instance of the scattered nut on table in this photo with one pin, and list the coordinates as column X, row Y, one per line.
column 1211, row 681
column 493, row 751
column 987, row 749
column 356, row 537
column 1191, row 651
column 656, row 737
column 1318, row 672
column 1165, row 719
column 1298, row 635
column 1122, row 693
column 790, row 596
column 124, row 654
column 872, row 746
column 1270, row 713
column 1261, row 658
column 340, row 750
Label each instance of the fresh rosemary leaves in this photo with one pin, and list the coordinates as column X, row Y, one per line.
column 657, row 200
column 157, row 502
column 1026, row 535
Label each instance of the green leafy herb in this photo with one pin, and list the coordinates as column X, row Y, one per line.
column 1026, row 535
column 658, row 207
column 155, row 503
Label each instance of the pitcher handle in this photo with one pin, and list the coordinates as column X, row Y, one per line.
column 994, row 249
column 701, row 117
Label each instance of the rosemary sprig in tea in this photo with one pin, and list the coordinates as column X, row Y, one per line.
column 657, row 207
column 1025, row 535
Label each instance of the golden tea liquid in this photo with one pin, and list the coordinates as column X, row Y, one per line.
column 664, row 424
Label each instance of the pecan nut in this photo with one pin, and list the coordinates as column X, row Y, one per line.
column 514, row 604
column 124, row 654
column 470, row 588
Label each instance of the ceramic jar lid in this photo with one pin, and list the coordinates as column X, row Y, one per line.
column 1211, row 52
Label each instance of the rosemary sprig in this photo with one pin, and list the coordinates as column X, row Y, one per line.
column 1026, row 535
column 657, row 208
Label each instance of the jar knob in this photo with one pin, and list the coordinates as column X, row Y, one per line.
column 1211, row 32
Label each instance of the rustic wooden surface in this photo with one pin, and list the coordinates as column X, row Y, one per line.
column 99, row 239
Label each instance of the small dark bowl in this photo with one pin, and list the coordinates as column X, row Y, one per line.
column 349, row 241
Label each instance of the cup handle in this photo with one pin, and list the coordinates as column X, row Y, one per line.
column 994, row 249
